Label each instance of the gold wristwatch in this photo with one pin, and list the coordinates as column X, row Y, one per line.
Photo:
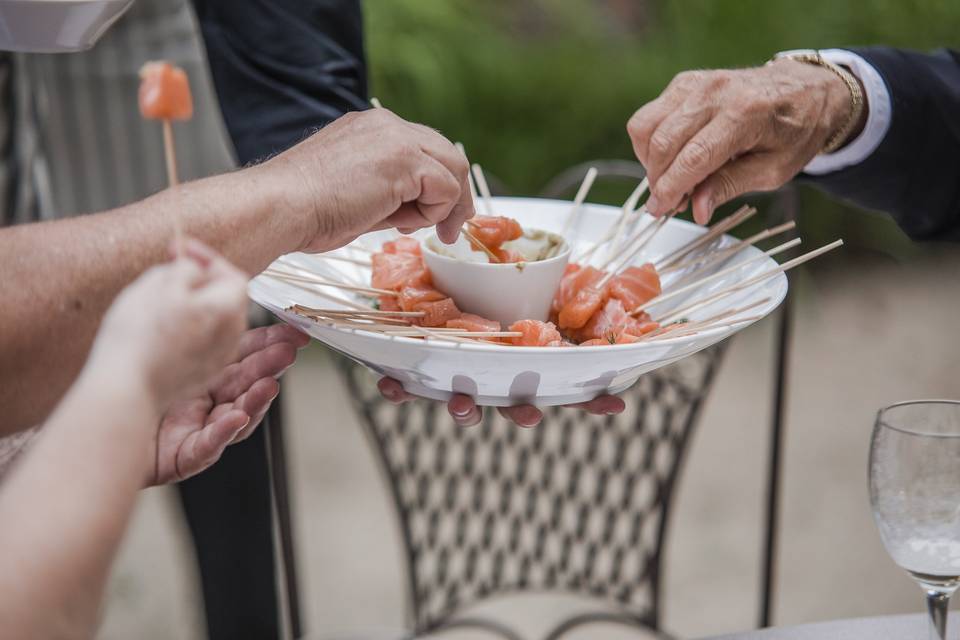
column 857, row 101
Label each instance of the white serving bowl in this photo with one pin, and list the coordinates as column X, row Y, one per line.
column 501, row 375
column 502, row 292
column 53, row 26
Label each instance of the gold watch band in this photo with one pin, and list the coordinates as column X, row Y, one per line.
column 857, row 101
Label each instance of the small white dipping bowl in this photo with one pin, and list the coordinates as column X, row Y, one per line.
column 502, row 292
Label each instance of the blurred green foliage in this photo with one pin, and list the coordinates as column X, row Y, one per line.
column 534, row 86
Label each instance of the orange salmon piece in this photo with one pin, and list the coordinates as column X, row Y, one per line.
column 578, row 311
column 535, row 334
column 506, row 256
column 402, row 245
column 635, row 286
column 397, row 270
column 389, row 303
column 574, row 279
column 471, row 322
column 606, row 323
column 164, row 92
column 493, row 231
column 412, row 296
column 596, row 342
column 437, row 313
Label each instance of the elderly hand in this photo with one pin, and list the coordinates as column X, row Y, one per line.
column 373, row 170
column 713, row 135
column 466, row 413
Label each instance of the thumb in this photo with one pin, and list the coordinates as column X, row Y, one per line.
column 751, row 172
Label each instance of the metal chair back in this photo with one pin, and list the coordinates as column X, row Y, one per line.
column 578, row 505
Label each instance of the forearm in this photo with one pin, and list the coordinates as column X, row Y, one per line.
column 66, row 504
column 59, row 277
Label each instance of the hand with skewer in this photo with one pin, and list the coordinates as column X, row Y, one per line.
column 369, row 171
column 466, row 413
column 178, row 334
column 714, row 135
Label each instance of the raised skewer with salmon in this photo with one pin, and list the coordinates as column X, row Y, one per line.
column 164, row 95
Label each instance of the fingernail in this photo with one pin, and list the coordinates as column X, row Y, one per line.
column 653, row 204
column 463, row 413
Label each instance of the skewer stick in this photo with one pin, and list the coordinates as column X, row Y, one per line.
column 786, row 266
column 740, row 215
column 683, row 332
column 375, row 103
column 725, row 253
column 458, row 334
column 341, row 276
column 663, row 297
column 634, row 248
column 470, row 183
column 578, row 200
column 363, row 310
column 483, row 187
column 327, row 296
column 170, row 155
column 627, row 210
column 472, row 238
column 361, row 249
column 321, row 282
column 672, row 329
column 330, row 256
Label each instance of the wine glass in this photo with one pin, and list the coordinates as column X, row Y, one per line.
column 915, row 495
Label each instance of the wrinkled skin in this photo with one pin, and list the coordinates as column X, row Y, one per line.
column 714, row 135
column 372, row 170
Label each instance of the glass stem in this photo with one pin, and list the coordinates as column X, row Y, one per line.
column 937, row 602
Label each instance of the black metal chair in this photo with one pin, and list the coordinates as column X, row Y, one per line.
column 579, row 505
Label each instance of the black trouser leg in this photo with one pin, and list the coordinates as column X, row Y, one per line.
column 228, row 510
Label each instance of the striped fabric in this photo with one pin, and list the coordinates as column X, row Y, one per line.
column 79, row 144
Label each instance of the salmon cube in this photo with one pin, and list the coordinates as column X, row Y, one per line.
column 164, row 92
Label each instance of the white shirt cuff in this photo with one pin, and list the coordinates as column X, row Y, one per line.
column 879, row 114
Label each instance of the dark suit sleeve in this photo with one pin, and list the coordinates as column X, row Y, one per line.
column 283, row 68
column 915, row 172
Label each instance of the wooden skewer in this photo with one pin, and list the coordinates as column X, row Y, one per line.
column 485, row 194
column 470, row 183
column 725, row 253
column 669, row 295
column 472, row 238
column 170, row 155
column 375, row 103
column 361, row 317
column 786, row 266
column 635, row 247
column 684, row 332
column 628, row 209
column 459, row 334
column 327, row 296
column 411, row 331
column 578, row 200
column 341, row 276
column 699, row 324
column 717, row 230
column 364, row 310
column 329, row 256
column 282, row 275
column 361, row 249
